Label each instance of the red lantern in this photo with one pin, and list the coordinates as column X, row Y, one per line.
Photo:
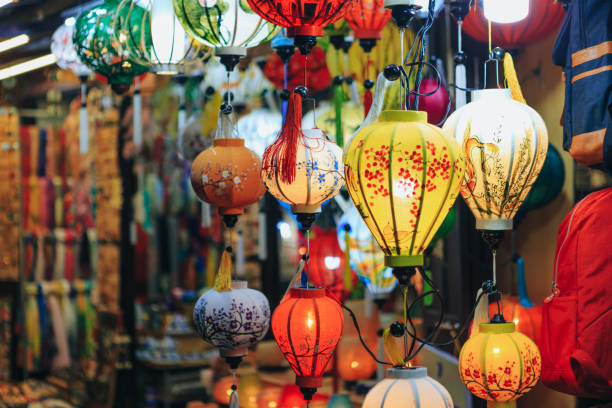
column 327, row 265
column 303, row 20
column 544, row 17
column 319, row 78
column 307, row 326
column 367, row 18
column 435, row 105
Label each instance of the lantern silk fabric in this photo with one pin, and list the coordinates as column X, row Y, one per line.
column 498, row 363
column 367, row 18
column 504, row 143
column 307, row 326
column 403, row 176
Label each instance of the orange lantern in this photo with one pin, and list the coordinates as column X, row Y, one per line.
column 354, row 363
column 499, row 364
column 269, row 397
column 528, row 320
column 227, row 175
column 222, row 390
column 307, row 326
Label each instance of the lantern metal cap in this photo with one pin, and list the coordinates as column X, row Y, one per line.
column 497, row 328
column 239, row 51
column 406, row 373
column 307, row 293
column 493, row 224
column 498, row 93
column 395, row 261
column 305, row 209
column 228, row 142
column 167, row 69
column 403, row 116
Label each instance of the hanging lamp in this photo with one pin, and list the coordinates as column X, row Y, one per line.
column 96, row 45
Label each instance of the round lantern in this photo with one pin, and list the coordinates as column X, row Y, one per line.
column 354, row 363
column 160, row 41
column 316, row 167
column 403, row 176
column 228, row 27
column 227, row 175
column 499, row 364
column 436, row 105
column 505, row 143
column 269, row 397
column 367, row 18
column 543, row 18
column 327, row 267
column 366, row 257
column 307, row 326
column 352, row 117
column 65, row 52
column 232, row 320
column 549, row 183
column 319, row 78
column 97, row 46
column 304, row 21
column 409, row 388
column 222, row 390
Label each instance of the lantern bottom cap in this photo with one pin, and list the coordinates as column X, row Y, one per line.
column 398, row 261
column 167, row 69
column 493, row 224
column 235, row 352
column 303, row 381
column 239, row 51
column 504, row 404
column 305, row 209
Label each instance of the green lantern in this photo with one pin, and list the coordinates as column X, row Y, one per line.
column 98, row 46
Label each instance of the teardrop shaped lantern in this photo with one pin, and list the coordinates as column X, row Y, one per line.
column 499, row 364
column 505, row 143
column 232, row 320
column 403, row 176
column 408, row 388
column 97, row 46
column 307, row 326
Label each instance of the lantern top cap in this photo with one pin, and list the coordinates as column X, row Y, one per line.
column 406, row 373
column 503, row 93
column 307, row 293
column 497, row 328
column 403, row 116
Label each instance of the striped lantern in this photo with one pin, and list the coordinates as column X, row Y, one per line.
column 408, row 388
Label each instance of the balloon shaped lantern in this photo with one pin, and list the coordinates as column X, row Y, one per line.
column 410, row 388
column 161, row 42
column 505, row 143
column 230, row 27
column 499, row 364
column 544, row 17
column 302, row 167
column 66, row 56
column 437, row 104
column 303, row 21
column 98, row 46
column 366, row 257
column 403, row 176
column 307, row 326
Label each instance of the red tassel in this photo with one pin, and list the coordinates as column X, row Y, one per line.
column 367, row 101
column 282, row 154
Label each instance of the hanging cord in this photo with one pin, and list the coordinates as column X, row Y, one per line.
column 233, row 402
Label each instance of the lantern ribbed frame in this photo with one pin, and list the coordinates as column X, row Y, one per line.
column 97, row 46
column 367, row 18
column 229, row 31
column 139, row 44
column 498, row 363
column 403, row 176
column 505, row 144
column 307, row 326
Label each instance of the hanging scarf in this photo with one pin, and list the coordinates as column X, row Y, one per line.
column 32, row 326
column 62, row 358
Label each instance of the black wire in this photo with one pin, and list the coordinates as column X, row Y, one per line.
column 361, row 338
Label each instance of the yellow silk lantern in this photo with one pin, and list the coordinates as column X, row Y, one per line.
column 499, row 364
column 505, row 144
column 403, row 176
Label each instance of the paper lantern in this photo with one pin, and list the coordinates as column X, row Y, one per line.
column 544, row 17
column 98, row 46
column 505, row 143
column 230, row 27
column 304, row 21
column 227, row 175
column 408, row 388
column 354, row 363
column 327, row 267
column 435, row 105
column 270, row 397
column 302, row 167
column 260, row 128
column 366, row 257
column 248, row 392
column 499, row 364
column 352, row 117
column 340, row 401
column 307, row 326
column 65, row 52
column 319, row 78
column 232, row 320
column 153, row 36
column 549, row 183
column 222, row 390
column 367, row 18
column 403, row 176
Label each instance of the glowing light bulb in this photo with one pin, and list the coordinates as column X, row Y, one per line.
column 332, row 262
column 495, row 350
column 354, row 364
column 504, row 11
column 516, row 321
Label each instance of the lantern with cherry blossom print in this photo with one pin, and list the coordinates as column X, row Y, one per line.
column 307, row 326
column 499, row 364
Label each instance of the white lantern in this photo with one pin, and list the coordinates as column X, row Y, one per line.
column 505, row 144
column 504, row 11
column 233, row 320
column 408, row 388
column 319, row 174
